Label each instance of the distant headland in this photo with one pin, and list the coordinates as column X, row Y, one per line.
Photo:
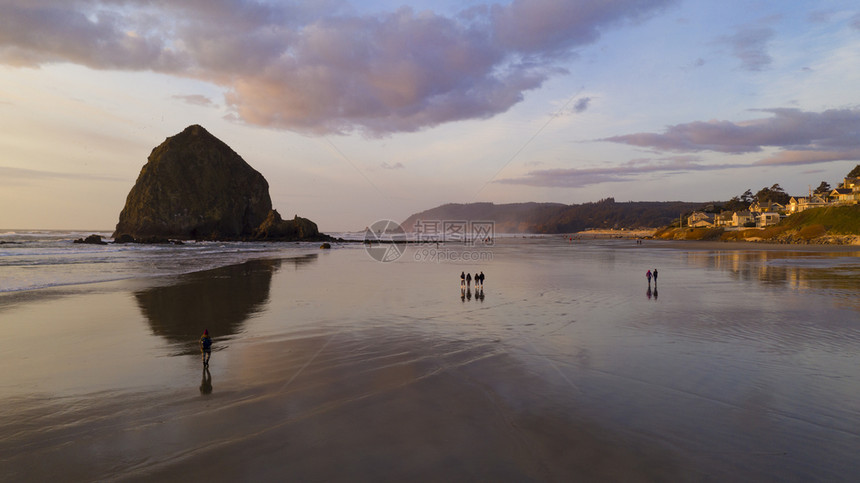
column 827, row 216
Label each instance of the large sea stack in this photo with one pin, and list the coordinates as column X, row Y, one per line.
column 194, row 186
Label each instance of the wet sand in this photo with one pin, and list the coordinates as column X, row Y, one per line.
column 335, row 367
column 340, row 407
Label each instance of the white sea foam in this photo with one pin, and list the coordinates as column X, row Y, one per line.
column 40, row 259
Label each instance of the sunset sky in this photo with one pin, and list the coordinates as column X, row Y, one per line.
column 361, row 111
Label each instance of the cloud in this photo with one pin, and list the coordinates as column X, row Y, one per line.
column 801, row 137
column 749, row 44
column 791, row 137
column 316, row 67
column 196, row 100
column 397, row 165
column 632, row 170
column 581, row 105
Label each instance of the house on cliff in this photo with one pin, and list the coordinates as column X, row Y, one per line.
column 700, row 219
column 796, row 205
column 848, row 193
column 741, row 218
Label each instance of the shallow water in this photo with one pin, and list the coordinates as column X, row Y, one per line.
column 735, row 364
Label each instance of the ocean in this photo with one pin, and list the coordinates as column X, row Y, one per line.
column 740, row 362
column 37, row 259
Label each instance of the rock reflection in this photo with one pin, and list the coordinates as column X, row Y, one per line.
column 219, row 300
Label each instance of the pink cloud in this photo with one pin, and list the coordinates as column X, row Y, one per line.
column 833, row 131
column 313, row 66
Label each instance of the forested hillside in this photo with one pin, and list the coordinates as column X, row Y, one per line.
column 548, row 218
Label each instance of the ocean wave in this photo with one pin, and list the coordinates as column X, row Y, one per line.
column 43, row 259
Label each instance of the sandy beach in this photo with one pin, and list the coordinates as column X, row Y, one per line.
column 336, row 367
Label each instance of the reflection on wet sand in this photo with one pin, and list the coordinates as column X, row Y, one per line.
column 466, row 294
column 206, row 383
column 219, row 300
column 807, row 270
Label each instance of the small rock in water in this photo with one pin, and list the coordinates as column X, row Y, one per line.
column 91, row 240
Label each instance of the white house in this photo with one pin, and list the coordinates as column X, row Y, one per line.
column 768, row 218
column 723, row 219
column 796, row 205
column 700, row 219
column 766, row 207
column 849, row 193
column 740, row 218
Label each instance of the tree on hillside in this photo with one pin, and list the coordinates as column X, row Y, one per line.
column 739, row 203
column 774, row 194
column 823, row 188
column 855, row 173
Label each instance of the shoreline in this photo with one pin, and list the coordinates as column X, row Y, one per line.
column 752, row 246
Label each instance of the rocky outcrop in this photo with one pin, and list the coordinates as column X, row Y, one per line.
column 194, row 186
column 275, row 228
column 91, row 240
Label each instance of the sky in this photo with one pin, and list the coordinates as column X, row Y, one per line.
column 362, row 111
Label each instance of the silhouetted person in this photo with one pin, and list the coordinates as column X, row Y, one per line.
column 655, row 276
column 482, row 279
column 468, row 280
column 462, row 279
column 206, row 383
column 206, row 347
column 648, row 276
column 477, row 280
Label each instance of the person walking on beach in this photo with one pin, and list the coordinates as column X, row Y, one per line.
column 655, row 276
column 206, row 347
column 462, row 279
column 482, row 279
column 477, row 280
column 468, row 280
column 648, row 276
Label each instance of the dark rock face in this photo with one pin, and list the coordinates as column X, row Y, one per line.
column 194, row 186
column 275, row 228
column 91, row 240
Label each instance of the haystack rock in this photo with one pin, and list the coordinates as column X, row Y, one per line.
column 194, row 186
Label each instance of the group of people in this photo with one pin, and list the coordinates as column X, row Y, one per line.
column 466, row 280
column 650, row 274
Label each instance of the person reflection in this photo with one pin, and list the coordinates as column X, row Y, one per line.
column 648, row 293
column 468, row 293
column 655, row 290
column 206, row 383
column 480, row 295
column 463, row 294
